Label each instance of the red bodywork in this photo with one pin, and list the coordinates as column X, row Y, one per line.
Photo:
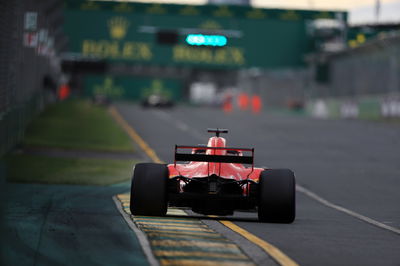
column 235, row 171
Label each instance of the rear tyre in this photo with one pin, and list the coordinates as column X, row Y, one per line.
column 277, row 196
column 149, row 190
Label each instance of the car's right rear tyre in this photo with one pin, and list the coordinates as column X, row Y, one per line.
column 149, row 190
column 277, row 196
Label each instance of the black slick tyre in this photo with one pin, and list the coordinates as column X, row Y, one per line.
column 277, row 196
column 149, row 190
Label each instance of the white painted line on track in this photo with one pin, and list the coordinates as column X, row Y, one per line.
column 179, row 124
column 325, row 202
column 182, row 126
column 144, row 242
column 346, row 211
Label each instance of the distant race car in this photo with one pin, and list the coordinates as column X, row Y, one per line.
column 213, row 180
column 157, row 100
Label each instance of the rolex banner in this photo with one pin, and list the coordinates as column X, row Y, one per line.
column 130, row 32
column 133, row 88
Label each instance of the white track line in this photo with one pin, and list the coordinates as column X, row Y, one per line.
column 179, row 124
column 323, row 201
column 144, row 242
column 346, row 211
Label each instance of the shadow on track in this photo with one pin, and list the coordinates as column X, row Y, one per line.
column 216, row 218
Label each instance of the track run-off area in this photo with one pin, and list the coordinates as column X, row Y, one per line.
column 348, row 178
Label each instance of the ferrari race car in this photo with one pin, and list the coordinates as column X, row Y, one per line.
column 212, row 179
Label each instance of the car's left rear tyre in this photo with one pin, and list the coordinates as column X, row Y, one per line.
column 149, row 190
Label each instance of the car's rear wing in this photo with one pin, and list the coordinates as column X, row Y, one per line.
column 190, row 157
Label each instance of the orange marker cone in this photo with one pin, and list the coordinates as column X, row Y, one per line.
column 243, row 101
column 256, row 104
column 227, row 103
column 227, row 107
column 64, row 92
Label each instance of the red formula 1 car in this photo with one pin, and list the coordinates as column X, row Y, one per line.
column 214, row 180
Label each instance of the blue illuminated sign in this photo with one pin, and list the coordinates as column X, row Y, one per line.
column 206, row 40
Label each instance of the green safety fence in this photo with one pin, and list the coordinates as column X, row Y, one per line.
column 14, row 121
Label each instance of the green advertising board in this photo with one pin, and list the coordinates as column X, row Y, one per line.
column 121, row 31
column 132, row 88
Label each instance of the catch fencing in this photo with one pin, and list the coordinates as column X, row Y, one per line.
column 30, row 40
column 361, row 82
column 372, row 69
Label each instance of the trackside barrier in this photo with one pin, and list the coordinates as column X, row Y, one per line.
column 362, row 108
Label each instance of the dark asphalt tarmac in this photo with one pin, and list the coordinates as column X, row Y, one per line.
column 354, row 164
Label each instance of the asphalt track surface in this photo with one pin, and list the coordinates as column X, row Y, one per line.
column 353, row 164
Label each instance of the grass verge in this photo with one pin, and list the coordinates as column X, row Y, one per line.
column 76, row 171
column 77, row 124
